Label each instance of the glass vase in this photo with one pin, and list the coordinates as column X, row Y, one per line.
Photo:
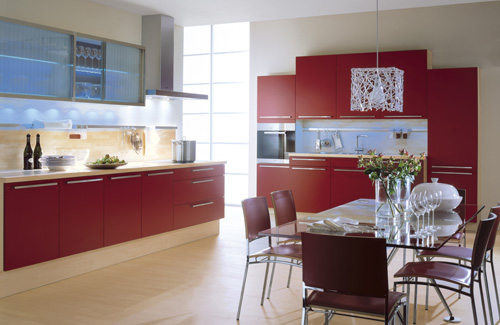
column 404, row 198
column 387, row 198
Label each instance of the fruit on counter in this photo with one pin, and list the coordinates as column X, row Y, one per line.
column 107, row 159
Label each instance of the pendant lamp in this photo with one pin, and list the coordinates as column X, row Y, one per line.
column 377, row 88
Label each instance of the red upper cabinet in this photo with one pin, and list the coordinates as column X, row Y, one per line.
column 414, row 64
column 157, row 202
column 345, row 62
column 316, row 87
column 276, row 99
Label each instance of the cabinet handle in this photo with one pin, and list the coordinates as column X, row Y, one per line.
column 308, row 116
column 85, row 181
column 202, row 181
column 202, row 169
column 397, row 116
column 272, row 166
column 275, row 116
column 275, row 132
column 304, row 168
column 201, row 204
column 365, row 116
column 349, row 170
column 157, row 174
column 309, row 159
column 454, row 167
column 34, row 185
column 123, row 177
column 452, row 173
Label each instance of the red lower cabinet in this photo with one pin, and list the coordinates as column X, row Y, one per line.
column 31, row 223
column 348, row 182
column 157, row 202
column 194, row 213
column 122, row 208
column 311, row 188
column 270, row 178
column 81, row 215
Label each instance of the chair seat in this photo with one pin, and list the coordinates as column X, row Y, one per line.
column 362, row 304
column 289, row 250
column 438, row 271
column 463, row 253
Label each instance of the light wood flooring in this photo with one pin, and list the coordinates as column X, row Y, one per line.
column 196, row 283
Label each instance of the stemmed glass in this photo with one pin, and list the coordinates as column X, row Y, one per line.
column 99, row 57
column 92, row 55
column 418, row 208
column 88, row 52
column 78, row 54
column 435, row 199
column 84, row 55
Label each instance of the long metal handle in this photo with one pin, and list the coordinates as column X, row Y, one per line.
column 452, row 173
column 309, row 159
column 274, row 132
column 158, row 174
column 201, row 204
column 203, row 181
column 268, row 116
column 313, row 116
column 202, row 169
column 398, row 116
column 307, row 168
column 123, row 177
column 273, row 166
column 364, row 116
column 85, row 181
column 454, row 167
column 34, row 185
column 349, row 170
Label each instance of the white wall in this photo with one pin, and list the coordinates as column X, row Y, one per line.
column 458, row 36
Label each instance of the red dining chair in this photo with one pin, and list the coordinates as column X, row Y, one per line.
column 256, row 215
column 464, row 254
column 284, row 211
column 453, row 274
column 347, row 276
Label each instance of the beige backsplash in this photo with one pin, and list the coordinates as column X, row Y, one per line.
column 100, row 142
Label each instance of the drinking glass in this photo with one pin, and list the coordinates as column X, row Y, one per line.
column 78, row 54
column 83, row 54
column 99, row 57
column 435, row 199
column 418, row 210
column 92, row 55
column 88, row 52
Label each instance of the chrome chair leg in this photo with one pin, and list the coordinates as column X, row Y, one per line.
column 242, row 291
column 482, row 297
column 264, row 287
column 289, row 276
column 415, row 303
column 494, row 280
column 271, row 281
column 487, row 289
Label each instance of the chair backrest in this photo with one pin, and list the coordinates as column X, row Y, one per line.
column 493, row 235
column 481, row 241
column 256, row 215
column 350, row 265
column 284, row 207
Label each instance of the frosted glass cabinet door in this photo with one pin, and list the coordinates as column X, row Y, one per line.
column 35, row 61
column 123, row 74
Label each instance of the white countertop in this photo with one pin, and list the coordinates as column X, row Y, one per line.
column 19, row 175
column 340, row 155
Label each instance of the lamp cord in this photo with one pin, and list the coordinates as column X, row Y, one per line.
column 377, row 36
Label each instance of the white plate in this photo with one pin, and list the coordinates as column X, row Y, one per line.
column 104, row 166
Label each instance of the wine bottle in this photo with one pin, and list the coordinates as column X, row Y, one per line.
column 37, row 154
column 28, row 154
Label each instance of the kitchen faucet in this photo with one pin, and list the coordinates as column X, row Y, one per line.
column 359, row 149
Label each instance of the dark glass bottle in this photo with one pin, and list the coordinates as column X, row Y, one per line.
column 28, row 154
column 37, row 154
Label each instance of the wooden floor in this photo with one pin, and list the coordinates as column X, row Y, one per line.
column 196, row 283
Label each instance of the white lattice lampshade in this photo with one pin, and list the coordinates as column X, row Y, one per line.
column 377, row 88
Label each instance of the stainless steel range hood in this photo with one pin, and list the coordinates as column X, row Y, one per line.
column 158, row 38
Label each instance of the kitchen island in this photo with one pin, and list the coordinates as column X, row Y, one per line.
column 58, row 224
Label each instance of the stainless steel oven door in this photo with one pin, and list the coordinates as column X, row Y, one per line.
column 275, row 141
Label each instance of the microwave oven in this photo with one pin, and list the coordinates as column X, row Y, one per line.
column 275, row 141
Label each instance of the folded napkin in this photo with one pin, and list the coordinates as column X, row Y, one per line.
column 326, row 225
column 348, row 221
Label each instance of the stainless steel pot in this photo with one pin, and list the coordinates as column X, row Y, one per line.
column 183, row 151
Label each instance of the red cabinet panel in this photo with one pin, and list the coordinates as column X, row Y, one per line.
column 276, row 99
column 309, row 161
column 345, row 62
column 122, row 208
column 311, row 188
column 414, row 65
column 81, row 215
column 191, row 190
column 194, row 213
column 272, row 177
column 198, row 172
column 31, row 223
column 348, row 182
column 157, row 202
column 316, row 87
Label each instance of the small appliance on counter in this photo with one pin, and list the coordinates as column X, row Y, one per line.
column 183, row 151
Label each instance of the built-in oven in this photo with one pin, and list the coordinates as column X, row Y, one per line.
column 275, row 141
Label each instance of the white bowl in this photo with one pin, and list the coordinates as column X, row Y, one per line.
column 448, row 204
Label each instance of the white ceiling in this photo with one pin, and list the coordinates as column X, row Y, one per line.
column 207, row 12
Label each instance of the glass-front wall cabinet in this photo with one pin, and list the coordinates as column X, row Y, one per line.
column 36, row 62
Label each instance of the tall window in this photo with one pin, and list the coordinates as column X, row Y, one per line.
column 216, row 62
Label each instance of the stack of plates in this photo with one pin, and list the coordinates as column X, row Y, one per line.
column 58, row 162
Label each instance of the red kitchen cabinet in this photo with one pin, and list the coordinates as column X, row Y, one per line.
column 272, row 177
column 310, row 183
column 276, row 99
column 192, row 190
column 81, row 213
column 414, row 64
column 453, row 128
column 348, row 182
column 31, row 223
column 122, row 208
column 316, row 87
column 345, row 62
column 195, row 213
column 157, row 202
